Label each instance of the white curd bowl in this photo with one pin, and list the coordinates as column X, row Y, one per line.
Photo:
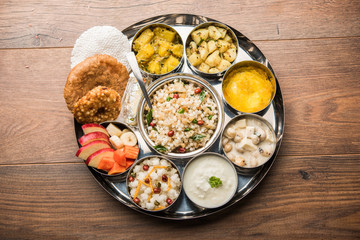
column 203, row 172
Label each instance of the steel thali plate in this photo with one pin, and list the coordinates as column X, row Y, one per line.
column 183, row 208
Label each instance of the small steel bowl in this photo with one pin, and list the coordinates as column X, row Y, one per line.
column 211, row 76
column 189, row 180
column 233, row 69
column 188, row 78
column 122, row 126
column 130, row 172
column 150, row 76
column 243, row 169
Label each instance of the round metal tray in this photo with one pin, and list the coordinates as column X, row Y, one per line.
column 184, row 208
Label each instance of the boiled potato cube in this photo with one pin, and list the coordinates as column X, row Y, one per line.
column 204, row 67
column 203, row 50
column 143, row 39
column 228, row 38
column 214, row 32
column 188, row 52
column 214, row 59
column 165, row 34
column 177, row 50
column 164, row 48
column 211, row 46
column 213, row 70
column 155, row 43
column 222, row 45
column 154, row 67
column 200, row 35
column 192, row 47
column 224, row 64
column 230, row 54
column 195, row 59
column 169, row 64
column 145, row 53
column 222, row 31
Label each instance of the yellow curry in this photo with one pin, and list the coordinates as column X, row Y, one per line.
column 158, row 50
column 248, row 89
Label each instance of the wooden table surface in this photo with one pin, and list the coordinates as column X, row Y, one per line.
column 311, row 192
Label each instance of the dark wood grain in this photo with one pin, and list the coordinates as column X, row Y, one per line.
column 302, row 197
column 319, row 82
column 59, row 23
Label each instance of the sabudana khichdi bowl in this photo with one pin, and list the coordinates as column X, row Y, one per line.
column 186, row 118
column 154, row 183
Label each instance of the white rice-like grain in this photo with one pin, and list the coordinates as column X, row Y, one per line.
column 171, row 114
column 148, row 199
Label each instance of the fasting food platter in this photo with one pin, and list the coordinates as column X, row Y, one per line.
column 247, row 179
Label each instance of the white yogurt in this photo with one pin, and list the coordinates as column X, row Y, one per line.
column 196, row 180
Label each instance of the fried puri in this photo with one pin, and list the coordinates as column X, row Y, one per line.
column 98, row 70
column 98, row 105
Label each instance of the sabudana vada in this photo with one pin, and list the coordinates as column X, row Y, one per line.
column 98, row 70
column 98, row 105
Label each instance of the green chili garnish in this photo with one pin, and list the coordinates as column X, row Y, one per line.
column 149, row 117
column 215, row 182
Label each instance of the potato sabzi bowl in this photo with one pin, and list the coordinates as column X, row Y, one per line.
column 159, row 50
column 211, row 48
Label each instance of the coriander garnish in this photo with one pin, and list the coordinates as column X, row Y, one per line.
column 187, row 129
column 197, row 137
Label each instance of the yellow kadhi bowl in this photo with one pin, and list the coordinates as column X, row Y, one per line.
column 249, row 87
